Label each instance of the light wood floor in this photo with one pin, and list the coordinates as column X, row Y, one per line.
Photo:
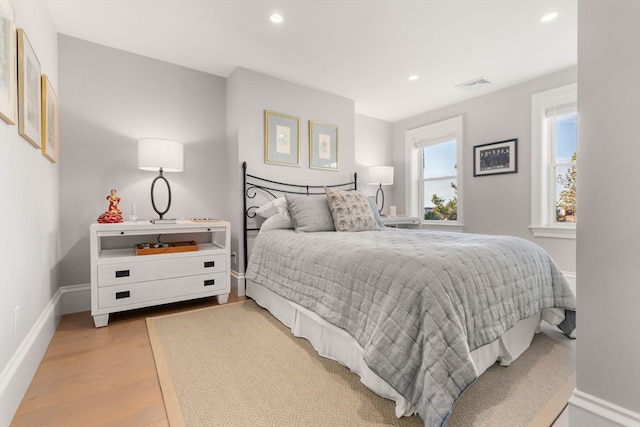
column 94, row 377
column 100, row 376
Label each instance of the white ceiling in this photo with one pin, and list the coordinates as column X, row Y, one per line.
column 363, row 50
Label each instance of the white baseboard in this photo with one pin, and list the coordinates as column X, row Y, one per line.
column 587, row 410
column 76, row 298
column 237, row 283
column 17, row 375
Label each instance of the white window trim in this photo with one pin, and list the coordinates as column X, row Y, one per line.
column 445, row 130
column 541, row 224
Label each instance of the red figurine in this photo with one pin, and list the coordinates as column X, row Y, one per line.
column 113, row 215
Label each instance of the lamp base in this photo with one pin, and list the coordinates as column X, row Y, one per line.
column 380, row 193
column 164, row 221
column 153, row 200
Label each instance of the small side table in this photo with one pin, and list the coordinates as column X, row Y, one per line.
column 401, row 221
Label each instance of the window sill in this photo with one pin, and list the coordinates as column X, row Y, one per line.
column 443, row 226
column 558, row 232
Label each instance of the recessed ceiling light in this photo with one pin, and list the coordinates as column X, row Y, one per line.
column 276, row 18
column 549, row 16
column 414, row 77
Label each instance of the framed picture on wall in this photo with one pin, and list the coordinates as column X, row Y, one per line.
column 281, row 139
column 323, row 146
column 29, row 96
column 50, row 130
column 496, row 158
column 8, row 74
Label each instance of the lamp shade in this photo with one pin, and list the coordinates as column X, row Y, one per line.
column 155, row 154
column 382, row 175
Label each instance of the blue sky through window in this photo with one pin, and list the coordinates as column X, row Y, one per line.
column 439, row 160
column 566, row 137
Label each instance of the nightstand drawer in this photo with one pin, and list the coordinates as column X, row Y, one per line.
column 136, row 294
column 153, row 269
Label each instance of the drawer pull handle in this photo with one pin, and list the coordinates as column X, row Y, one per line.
column 123, row 294
column 209, row 282
column 122, row 273
column 209, row 264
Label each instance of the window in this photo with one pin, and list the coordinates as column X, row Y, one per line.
column 439, row 181
column 435, row 159
column 554, row 162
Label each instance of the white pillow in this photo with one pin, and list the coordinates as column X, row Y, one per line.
column 280, row 220
column 267, row 210
column 376, row 212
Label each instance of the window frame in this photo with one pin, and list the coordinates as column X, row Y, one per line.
column 543, row 184
column 417, row 138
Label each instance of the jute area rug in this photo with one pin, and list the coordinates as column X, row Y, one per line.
column 236, row 365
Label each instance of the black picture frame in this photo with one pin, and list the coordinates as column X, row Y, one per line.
column 496, row 158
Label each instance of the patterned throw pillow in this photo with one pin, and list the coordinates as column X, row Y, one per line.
column 350, row 211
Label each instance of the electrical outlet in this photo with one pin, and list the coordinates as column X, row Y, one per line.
column 16, row 318
column 234, row 257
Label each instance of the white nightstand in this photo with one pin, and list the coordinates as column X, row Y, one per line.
column 122, row 279
column 401, row 221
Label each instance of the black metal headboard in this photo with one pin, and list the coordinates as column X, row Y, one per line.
column 253, row 185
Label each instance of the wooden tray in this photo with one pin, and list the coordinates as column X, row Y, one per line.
column 151, row 249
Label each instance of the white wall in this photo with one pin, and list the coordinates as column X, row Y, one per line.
column 109, row 99
column 608, row 345
column 29, row 250
column 497, row 204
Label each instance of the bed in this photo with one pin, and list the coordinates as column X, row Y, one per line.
column 419, row 315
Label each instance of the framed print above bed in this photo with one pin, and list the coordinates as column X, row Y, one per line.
column 50, row 131
column 29, row 96
column 323, row 146
column 281, row 139
column 496, row 158
column 8, row 76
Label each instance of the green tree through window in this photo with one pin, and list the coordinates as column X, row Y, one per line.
column 566, row 206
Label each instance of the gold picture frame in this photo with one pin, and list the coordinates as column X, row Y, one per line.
column 29, row 95
column 50, row 121
column 281, row 139
column 8, row 57
column 323, row 146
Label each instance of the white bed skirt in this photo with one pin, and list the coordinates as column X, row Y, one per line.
column 336, row 344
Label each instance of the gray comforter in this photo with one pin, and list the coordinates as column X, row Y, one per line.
column 417, row 301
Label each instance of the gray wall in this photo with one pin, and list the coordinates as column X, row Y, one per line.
column 249, row 94
column 498, row 204
column 608, row 346
column 110, row 98
column 373, row 148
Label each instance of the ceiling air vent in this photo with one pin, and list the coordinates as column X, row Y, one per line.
column 474, row 84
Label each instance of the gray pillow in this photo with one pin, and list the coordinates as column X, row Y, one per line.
column 310, row 213
column 350, row 210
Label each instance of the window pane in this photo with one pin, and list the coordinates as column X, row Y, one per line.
column 566, row 137
column 440, row 160
column 440, row 201
column 566, row 194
